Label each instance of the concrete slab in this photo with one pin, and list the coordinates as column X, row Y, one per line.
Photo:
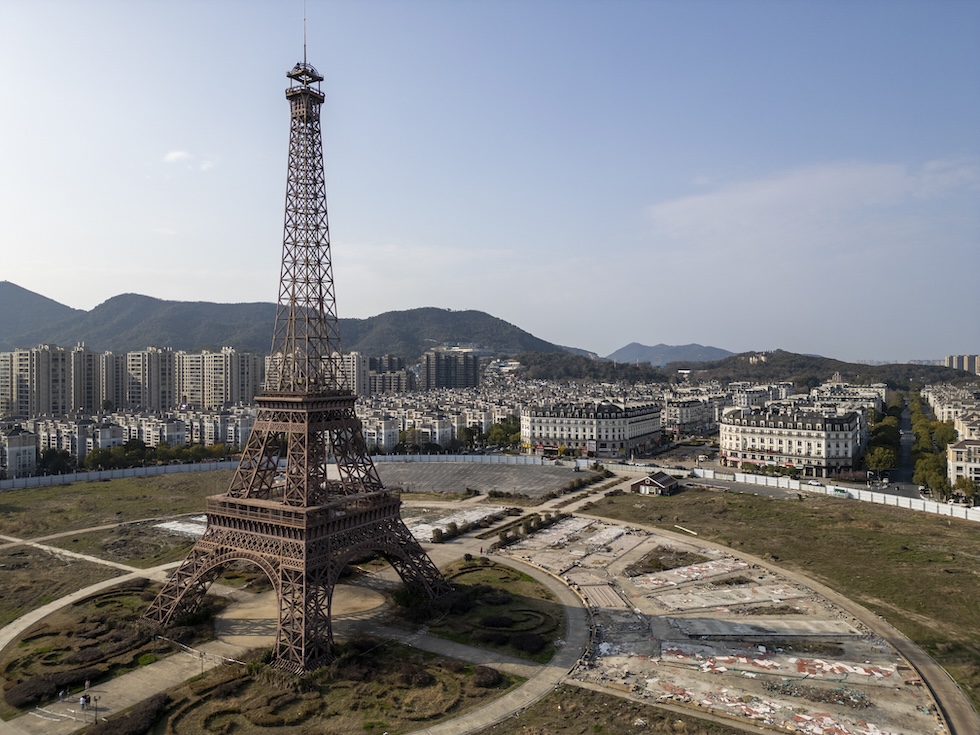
column 754, row 628
column 726, row 597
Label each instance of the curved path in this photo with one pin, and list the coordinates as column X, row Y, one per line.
column 63, row 718
column 129, row 689
column 958, row 713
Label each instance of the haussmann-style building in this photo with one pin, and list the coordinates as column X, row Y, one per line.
column 816, row 444
column 595, row 429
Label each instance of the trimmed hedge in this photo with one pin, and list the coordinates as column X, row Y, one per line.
column 137, row 721
column 485, row 677
column 40, row 689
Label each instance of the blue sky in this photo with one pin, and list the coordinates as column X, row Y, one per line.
column 747, row 174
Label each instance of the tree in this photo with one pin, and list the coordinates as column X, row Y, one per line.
column 199, row 453
column 498, row 436
column 943, row 434
column 895, row 402
column 408, row 441
column 886, row 434
column 881, row 458
column 56, row 462
column 98, row 459
column 467, row 436
column 930, row 471
column 165, row 452
column 505, row 433
column 136, row 451
column 966, row 487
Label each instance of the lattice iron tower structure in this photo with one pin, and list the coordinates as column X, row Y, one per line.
column 281, row 511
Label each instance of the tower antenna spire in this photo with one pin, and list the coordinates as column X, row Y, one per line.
column 304, row 32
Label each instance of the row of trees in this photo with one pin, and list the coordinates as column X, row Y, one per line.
column 505, row 434
column 929, row 450
column 134, row 453
column 885, row 443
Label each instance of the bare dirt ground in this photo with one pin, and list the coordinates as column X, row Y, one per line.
column 417, row 477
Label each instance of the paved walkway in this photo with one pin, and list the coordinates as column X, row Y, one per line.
column 63, row 718
column 120, row 693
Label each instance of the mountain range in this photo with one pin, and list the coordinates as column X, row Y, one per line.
column 131, row 322
column 662, row 354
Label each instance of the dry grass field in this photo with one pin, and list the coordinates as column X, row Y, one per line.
column 30, row 578
column 371, row 687
column 919, row 572
column 93, row 639
column 499, row 608
column 38, row 512
column 570, row 710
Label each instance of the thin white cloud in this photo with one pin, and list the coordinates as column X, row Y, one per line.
column 176, row 156
column 206, row 165
column 385, row 277
column 842, row 205
column 942, row 177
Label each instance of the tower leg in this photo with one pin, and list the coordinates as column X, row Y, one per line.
column 184, row 590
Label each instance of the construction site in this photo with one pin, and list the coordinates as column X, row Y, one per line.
column 676, row 622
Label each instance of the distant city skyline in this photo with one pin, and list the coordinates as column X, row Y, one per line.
column 742, row 174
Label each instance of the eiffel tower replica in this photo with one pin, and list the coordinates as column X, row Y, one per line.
column 281, row 512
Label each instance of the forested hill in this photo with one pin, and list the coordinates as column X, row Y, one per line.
column 804, row 371
column 132, row 322
column 807, row 371
column 410, row 333
column 24, row 311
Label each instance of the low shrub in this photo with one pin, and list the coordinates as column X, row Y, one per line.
column 529, row 642
column 495, row 597
column 486, row 677
column 84, row 656
column 264, row 718
column 40, row 689
column 137, row 721
column 461, row 606
column 494, row 637
column 413, row 675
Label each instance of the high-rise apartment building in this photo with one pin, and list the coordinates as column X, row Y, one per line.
column 85, row 381
column 151, row 379
column 455, row 368
column 53, row 381
column 213, row 380
column 389, row 374
column 356, row 371
column 969, row 363
column 190, row 379
column 6, row 384
column 113, row 380
column 40, row 384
